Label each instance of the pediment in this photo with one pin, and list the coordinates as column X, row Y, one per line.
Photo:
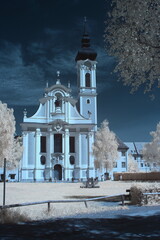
column 56, row 87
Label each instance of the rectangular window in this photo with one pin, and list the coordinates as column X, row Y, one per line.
column 58, row 143
column 141, row 164
column 115, row 164
column 123, row 164
column 123, row 153
column 43, row 144
column 72, row 144
column 12, row 176
column 2, row 177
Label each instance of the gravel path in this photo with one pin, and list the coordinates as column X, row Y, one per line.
column 30, row 192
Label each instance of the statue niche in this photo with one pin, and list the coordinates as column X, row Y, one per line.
column 58, row 103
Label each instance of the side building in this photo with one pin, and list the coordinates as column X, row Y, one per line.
column 135, row 151
column 121, row 164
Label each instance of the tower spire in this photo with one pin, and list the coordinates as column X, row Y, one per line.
column 85, row 38
column 86, row 52
column 85, row 26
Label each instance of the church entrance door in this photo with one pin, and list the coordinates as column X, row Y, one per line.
column 58, row 172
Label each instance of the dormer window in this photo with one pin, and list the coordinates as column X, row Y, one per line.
column 88, row 79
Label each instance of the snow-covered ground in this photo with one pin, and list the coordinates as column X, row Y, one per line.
column 31, row 192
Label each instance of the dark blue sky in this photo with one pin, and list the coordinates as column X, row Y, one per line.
column 39, row 37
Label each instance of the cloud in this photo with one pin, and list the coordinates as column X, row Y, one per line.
column 22, row 82
column 17, row 81
column 51, row 58
column 54, row 33
column 25, row 71
column 105, row 77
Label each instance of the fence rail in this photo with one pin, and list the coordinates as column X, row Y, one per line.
column 153, row 193
column 147, row 194
column 122, row 196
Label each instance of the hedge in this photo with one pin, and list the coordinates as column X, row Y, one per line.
column 140, row 176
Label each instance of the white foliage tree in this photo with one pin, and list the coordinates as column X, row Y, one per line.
column 17, row 152
column 10, row 148
column 132, row 35
column 132, row 164
column 105, row 147
column 151, row 151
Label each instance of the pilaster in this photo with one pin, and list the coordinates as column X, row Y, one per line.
column 82, row 75
column 66, row 152
column 93, row 75
column 25, row 152
column 90, row 155
column 79, row 155
column 37, row 153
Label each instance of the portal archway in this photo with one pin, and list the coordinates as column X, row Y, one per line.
column 58, row 172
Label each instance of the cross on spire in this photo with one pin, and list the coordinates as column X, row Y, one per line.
column 85, row 23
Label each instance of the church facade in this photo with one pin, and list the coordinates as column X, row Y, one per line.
column 58, row 138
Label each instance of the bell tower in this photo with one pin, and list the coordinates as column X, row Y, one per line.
column 86, row 78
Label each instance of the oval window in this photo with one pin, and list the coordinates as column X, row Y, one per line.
column 43, row 160
column 72, row 160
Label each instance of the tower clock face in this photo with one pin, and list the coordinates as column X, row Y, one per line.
column 88, row 65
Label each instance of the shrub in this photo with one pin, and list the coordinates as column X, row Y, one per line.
column 12, row 216
column 137, row 197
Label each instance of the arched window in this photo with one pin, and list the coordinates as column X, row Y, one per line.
column 58, row 102
column 88, row 101
column 43, row 160
column 88, row 79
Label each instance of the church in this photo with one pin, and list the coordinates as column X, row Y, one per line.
column 58, row 138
